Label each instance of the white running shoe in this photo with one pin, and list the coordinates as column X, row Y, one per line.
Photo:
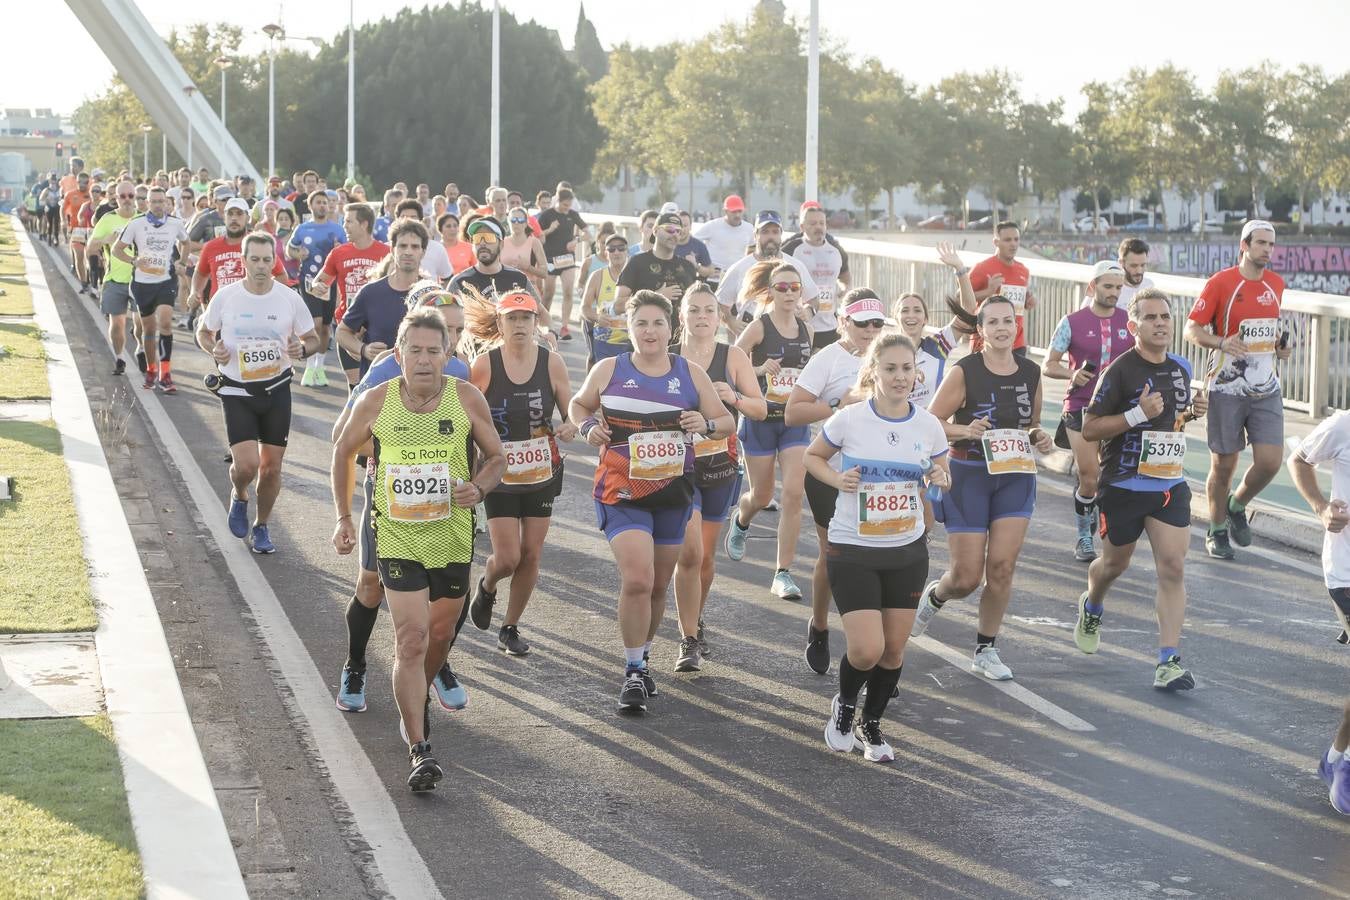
column 839, row 730
column 987, row 663
column 784, row 588
column 924, row 614
column 867, row 738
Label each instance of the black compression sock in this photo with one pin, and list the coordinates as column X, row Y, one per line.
column 880, row 684
column 360, row 623
column 984, row 640
column 851, row 681
column 165, row 347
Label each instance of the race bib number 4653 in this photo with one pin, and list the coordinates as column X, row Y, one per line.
column 889, row 509
column 1008, row 450
column 418, row 493
column 1260, row 335
column 656, row 455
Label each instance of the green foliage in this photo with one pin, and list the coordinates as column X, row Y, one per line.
column 586, row 49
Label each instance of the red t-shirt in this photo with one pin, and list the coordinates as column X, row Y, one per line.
column 1016, row 278
column 1230, row 304
column 461, row 255
column 222, row 262
column 347, row 265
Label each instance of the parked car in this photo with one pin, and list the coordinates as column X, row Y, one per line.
column 940, row 222
column 983, row 223
column 883, row 223
column 1209, row 226
column 1141, row 225
column 1092, row 225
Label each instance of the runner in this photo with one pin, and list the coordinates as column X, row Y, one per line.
column 599, row 307
column 1092, row 337
column 364, row 606
column 641, row 410
column 425, row 427
column 827, row 384
column 49, row 200
column 222, row 259
column 115, row 298
column 989, row 403
column 726, row 237
column 828, row 265
column 523, row 383
column 877, row 555
column 1132, row 254
column 72, row 201
column 371, row 322
column 93, row 262
column 310, row 244
column 716, row 465
column 522, row 250
column 912, row 315
column 657, row 269
column 779, row 345
column 739, row 308
column 1237, row 318
column 562, row 226
column 1138, row 414
column 435, row 261
column 692, row 249
column 459, row 252
column 263, row 329
column 155, row 237
column 1329, row 442
column 1002, row 275
column 348, row 266
column 488, row 275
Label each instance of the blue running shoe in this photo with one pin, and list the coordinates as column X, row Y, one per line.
column 1325, row 770
column 262, row 542
column 1340, row 786
column 352, row 690
column 449, row 692
column 735, row 539
column 238, row 517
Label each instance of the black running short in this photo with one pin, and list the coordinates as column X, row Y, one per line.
column 1069, row 421
column 449, row 582
column 1121, row 513
column 876, row 577
column 347, row 361
column 318, row 309
column 535, row 504
column 150, row 296
column 821, row 498
column 265, row 419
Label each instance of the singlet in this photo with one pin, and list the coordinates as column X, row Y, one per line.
column 715, row 458
column 517, row 257
column 636, row 404
column 1085, row 336
column 523, row 414
column 418, row 457
column 1005, row 400
column 791, row 353
column 610, row 327
column 931, row 361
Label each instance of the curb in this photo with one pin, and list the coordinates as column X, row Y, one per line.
column 184, row 847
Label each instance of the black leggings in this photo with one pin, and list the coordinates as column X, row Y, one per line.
column 876, row 577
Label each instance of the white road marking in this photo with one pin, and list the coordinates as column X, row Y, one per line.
column 402, row 868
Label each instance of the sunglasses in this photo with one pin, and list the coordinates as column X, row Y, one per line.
column 671, row 229
column 617, row 248
column 867, row 323
column 441, row 300
column 483, row 237
column 515, row 221
column 783, row 287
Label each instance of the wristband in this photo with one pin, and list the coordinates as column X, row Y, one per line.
column 711, row 426
column 1135, row 416
column 964, row 270
column 587, row 425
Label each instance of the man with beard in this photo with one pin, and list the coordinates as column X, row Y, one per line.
column 768, row 245
column 487, row 275
column 222, row 259
column 657, row 269
column 273, row 194
column 371, row 322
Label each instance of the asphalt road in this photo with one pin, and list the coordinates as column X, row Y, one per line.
column 725, row 787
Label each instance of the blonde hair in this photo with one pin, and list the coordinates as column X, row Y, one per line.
column 867, row 372
column 480, row 320
column 760, row 277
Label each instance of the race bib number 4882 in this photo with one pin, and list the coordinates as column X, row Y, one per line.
column 889, row 509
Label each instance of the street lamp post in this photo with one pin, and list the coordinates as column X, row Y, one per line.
column 351, row 89
column 495, row 141
column 224, row 62
column 189, row 89
column 813, row 102
column 145, row 144
column 272, row 31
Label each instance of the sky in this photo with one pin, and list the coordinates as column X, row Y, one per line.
column 1053, row 52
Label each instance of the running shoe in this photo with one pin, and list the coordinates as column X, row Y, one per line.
column 867, row 738
column 564, row 334
column 691, row 655
column 480, row 610
column 772, row 505
column 352, row 690
column 510, row 642
column 141, row 363
column 448, row 691
column 120, row 366
column 735, row 542
column 1238, row 526
column 839, row 730
column 166, row 384
column 1340, row 786
column 262, row 541
column 927, row 609
column 817, row 649
column 321, row 377
column 1170, row 676
column 1084, row 550
column 1087, row 630
column 784, row 588
column 648, row 682
column 307, row 377
column 707, row 651
column 424, row 770
column 151, row 379
column 987, row 663
column 238, row 517
column 426, row 723
column 633, row 694
column 1217, row 546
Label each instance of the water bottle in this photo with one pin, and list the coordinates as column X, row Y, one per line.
column 932, row 492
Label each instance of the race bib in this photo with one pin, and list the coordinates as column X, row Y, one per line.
column 259, row 360
column 889, row 509
column 1017, row 293
column 528, row 462
column 656, row 455
column 79, row 235
column 780, row 385
column 418, row 493
column 219, row 231
column 1008, row 450
column 706, row 446
column 1260, row 335
column 563, row 261
column 825, row 302
column 1163, row 454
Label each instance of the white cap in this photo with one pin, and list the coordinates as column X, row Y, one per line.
column 1256, row 225
column 237, row 203
column 1107, row 267
column 668, row 208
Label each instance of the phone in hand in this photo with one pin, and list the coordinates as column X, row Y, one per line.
column 1284, row 340
column 1090, row 366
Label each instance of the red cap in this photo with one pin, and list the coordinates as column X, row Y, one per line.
column 517, row 300
column 733, row 203
column 811, row 204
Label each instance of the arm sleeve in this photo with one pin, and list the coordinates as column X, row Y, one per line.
column 979, row 278
column 843, row 255
column 1106, row 399
column 936, row 436
column 1063, row 334
column 301, row 321
column 212, row 317
column 628, row 277
column 1207, row 304
column 810, row 290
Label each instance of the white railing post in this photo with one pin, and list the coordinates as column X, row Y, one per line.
column 1319, row 365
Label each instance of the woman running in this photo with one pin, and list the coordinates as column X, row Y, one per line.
column 523, row 383
column 779, row 345
column 876, row 555
column 717, row 481
column 912, row 314
column 828, row 383
column 608, row 325
column 522, row 250
column 989, row 403
column 641, row 409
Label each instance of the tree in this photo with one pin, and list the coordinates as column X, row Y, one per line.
column 632, row 108
column 587, row 50
column 1165, row 123
column 1310, row 118
column 867, row 132
column 1101, row 161
column 1047, row 149
column 1244, row 127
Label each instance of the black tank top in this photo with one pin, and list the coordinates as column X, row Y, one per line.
column 717, row 369
column 791, row 353
column 522, row 411
column 1005, row 400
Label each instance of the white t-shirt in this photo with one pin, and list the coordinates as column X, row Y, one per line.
column 732, row 279
column 726, row 243
column 890, row 455
column 1330, row 442
column 1126, row 292
column 824, row 263
column 828, row 374
column 256, row 328
column 436, row 262
column 932, row 366
column 155, row 244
